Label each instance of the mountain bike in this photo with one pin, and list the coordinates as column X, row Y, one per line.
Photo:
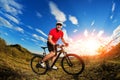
column 72, row 64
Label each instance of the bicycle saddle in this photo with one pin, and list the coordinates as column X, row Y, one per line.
column 44, row 47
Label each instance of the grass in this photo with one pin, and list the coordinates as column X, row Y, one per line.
column 15, row 65
column 94, row 68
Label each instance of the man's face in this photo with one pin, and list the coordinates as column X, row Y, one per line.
column 59, row 26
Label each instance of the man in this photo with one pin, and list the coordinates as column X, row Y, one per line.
column 54, row 35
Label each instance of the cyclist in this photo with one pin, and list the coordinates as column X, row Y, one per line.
column 54, row 35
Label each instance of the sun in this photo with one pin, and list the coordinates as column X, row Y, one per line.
column 87, row 47
column 91, row 46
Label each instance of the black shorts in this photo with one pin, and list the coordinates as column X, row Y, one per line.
column 50, row 47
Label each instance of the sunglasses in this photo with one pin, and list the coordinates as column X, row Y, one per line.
column 59, row 24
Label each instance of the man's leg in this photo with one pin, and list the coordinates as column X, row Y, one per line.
column 48, row 56
column 53, row 58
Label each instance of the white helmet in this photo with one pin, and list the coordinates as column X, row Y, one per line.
column 59, row 23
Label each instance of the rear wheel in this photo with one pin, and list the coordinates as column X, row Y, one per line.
column 36, row 67
column 72, row 64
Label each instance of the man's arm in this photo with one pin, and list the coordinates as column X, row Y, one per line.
column 63, row 40
column 50, row 39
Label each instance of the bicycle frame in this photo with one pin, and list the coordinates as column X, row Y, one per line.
column 58, row 55
column 55, row 60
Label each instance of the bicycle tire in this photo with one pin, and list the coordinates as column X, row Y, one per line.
column 34, row 62
column 77, row 64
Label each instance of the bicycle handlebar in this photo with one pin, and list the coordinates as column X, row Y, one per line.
column 59, row 46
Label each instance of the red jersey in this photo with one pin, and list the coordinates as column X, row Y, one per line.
column 55, row 34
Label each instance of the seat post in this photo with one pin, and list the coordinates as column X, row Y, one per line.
column 44, row 53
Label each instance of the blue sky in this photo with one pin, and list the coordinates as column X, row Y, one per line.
column 27, row 22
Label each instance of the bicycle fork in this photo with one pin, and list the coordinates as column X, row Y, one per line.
column 68, row 60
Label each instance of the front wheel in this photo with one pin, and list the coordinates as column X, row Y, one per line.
column 36, row 67
column 72, row 64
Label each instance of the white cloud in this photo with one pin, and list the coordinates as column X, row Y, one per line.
column 93, row 32
column 59, row 15
column 117, row 30
column 73, row 19
column 38, row 14
column 116, row 33
column 39, row 38
column 93, row 22
column 111, row 17
column 5, row 23
column 6, row 34
column 66, row 37
column 116, row 36
column 100, row 33
column 113, row 7
column 75, row 30
column 22, row 39
column 12, row 18
column 114, row 21
column 34, row 40
column 41, row 32
column 30, row 27
column 19, row 29
column 85, row 33
column 11, row 7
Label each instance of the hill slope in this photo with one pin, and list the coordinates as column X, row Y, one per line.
column 105, row 66
column 14, row 61
column 15, row 65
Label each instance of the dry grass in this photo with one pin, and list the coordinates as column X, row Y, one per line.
column 15, row 65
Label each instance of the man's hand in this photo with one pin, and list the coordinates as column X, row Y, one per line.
column 66, row 44
column 57, row 45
